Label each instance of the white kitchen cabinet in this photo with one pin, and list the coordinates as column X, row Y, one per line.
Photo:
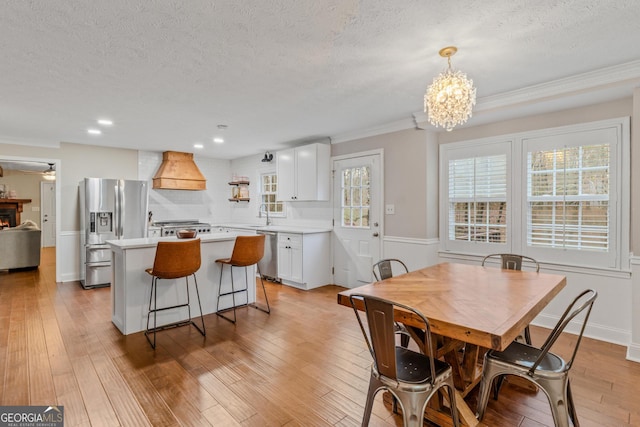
column 304, row 173
column 304, row 260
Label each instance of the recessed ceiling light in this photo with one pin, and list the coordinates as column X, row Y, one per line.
column 105, row 122
column 198, row 146
column 94, row 131
column 218, row 140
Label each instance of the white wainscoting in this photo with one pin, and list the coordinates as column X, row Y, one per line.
column 68, row 256
column 415, row 253
column 633, row 350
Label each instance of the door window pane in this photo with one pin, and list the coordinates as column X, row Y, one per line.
column 356, row 197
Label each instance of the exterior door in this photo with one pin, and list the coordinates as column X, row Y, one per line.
column 357, row 195
column 48, row 213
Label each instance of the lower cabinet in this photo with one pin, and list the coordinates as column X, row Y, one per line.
column 304, row 260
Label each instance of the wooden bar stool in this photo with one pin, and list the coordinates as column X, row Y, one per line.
column 174, row 260
column 247, row 250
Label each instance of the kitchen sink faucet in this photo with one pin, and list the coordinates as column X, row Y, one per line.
column 266, row 210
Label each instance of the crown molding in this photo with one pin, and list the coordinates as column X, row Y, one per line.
column 396, row 126
column 28, row 141
column 627, row 74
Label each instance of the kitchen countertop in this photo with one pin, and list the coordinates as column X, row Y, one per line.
column 145, row 242
column 278, row 228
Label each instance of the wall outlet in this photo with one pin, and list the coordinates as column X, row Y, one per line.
column 390, row 209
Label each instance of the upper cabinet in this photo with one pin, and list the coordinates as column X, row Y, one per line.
column 304, row 173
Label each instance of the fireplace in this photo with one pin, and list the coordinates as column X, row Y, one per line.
column 10, row 210
column 7, row 218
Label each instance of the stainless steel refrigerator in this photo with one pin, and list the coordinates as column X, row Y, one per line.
column 110, row 209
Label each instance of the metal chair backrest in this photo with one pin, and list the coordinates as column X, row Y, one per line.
column 380, row 336
column 384, row 268
column 585, row 301
column 248, row 250
column 513, row 261
column 176, row 259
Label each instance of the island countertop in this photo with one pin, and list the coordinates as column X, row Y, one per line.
column 147, row 242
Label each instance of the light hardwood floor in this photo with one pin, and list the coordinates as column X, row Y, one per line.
column 304, row 365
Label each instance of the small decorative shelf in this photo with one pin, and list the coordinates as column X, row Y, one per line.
column 240, row 192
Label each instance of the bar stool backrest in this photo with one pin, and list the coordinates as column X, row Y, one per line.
column 176, row 259
column 248, row 250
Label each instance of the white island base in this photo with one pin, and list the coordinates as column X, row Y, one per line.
column 131, row 285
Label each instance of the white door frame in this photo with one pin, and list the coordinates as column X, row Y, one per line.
column 379, row 152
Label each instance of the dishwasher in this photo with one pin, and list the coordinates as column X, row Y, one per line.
column 269, row 263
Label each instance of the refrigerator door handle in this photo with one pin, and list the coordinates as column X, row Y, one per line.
column 118, row 212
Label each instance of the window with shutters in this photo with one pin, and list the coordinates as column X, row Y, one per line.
column 477, row 191
column 558, row 195
column 568, row 198
column 478, row 199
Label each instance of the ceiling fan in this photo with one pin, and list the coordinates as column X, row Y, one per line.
column 49, row 173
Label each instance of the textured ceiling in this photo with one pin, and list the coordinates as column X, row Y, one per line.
column 278, row 72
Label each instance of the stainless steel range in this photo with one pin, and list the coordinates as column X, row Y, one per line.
column 169, row 228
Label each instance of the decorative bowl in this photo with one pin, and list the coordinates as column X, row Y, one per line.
column 186, row 234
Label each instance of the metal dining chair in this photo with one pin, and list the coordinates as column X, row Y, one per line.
column 411, row 377
column 547, row 370
column 385, row 268
column 515, row 262
column 173, row 260
column 247, row 251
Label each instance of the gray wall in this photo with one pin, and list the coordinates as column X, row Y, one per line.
column 405, row 177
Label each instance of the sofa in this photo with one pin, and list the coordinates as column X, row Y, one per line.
column 19, row 248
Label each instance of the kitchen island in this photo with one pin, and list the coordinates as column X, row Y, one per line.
column 131, row 285
column 302, row 253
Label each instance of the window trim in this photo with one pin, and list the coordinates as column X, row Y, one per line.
column 617, row 258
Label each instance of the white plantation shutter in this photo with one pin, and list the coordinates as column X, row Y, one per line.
column 477, row 188
column 478, row 198
column 571, row 198
column 568, row 197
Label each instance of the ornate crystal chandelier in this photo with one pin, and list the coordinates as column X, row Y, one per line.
column 450, row 98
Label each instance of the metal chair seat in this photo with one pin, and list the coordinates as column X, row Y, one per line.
column 173, row 260
column 525, row 356
column 247, row 251
column 413, row 367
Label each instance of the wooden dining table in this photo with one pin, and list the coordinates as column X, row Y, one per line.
column 470, row 309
